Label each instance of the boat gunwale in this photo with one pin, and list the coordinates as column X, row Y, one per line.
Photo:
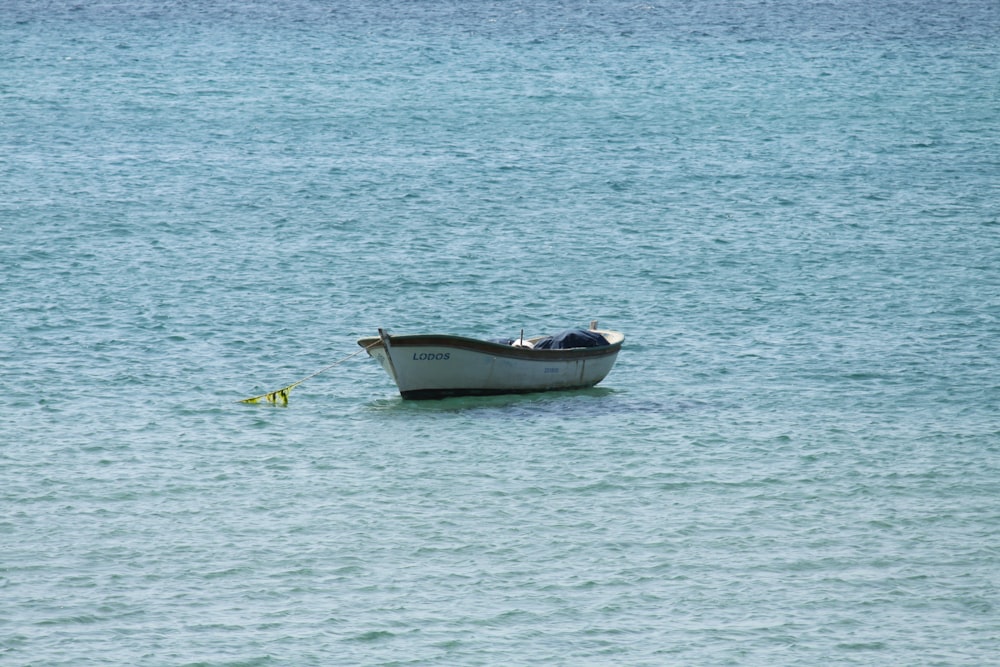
column 496, row 349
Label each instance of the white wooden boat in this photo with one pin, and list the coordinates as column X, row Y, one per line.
column 436, row 366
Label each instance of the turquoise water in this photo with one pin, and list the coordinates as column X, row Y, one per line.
column 790, row 209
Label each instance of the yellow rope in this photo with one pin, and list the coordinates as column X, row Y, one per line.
column 281, row 395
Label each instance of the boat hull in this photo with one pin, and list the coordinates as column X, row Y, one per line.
column 437, row 366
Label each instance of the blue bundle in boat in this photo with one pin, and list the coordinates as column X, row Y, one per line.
column 572, row 338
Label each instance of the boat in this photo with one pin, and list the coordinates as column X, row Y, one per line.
column 427, row 366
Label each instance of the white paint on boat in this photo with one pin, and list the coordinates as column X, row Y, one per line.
column 435, row 366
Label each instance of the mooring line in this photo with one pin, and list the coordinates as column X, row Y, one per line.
column 273, row 397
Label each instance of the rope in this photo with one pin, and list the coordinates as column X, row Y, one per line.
column 273, row 397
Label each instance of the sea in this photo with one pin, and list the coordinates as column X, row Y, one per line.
column 791, row 209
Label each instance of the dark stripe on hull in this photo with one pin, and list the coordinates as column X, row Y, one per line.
column 432, row 394
column 495, row 349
